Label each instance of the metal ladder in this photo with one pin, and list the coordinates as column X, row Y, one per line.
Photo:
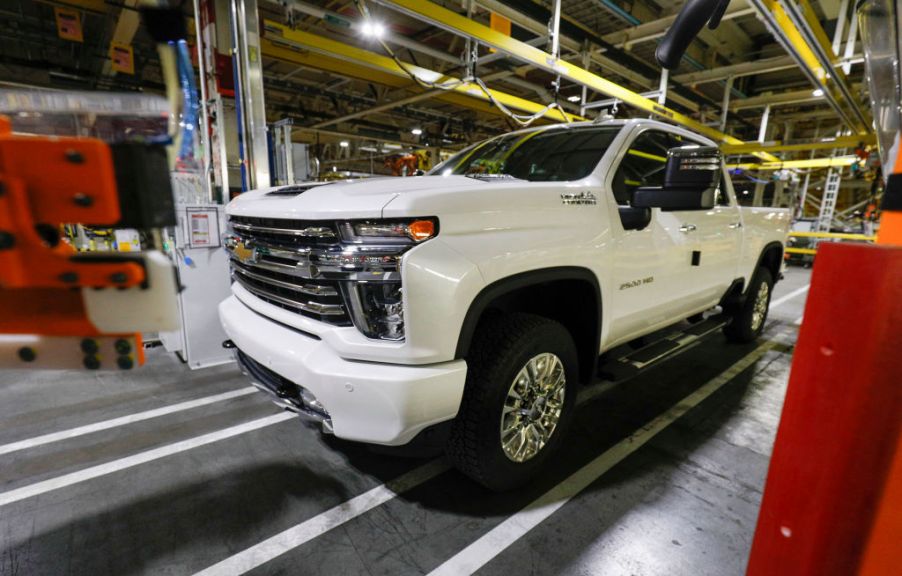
column 828, row 202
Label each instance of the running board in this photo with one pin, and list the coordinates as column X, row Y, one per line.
column 660, row 350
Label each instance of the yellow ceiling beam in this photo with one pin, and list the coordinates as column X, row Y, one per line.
column 458, row 24
column 836, row 162
column 830, row 78
column 841, row 142
column 323, row 53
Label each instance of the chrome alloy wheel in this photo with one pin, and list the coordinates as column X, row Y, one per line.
column 533, row 407
column 759, row 312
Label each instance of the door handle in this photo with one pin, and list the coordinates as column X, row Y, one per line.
column 736, row 225
column 687, row 228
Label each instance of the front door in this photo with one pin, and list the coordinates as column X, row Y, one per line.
column 653, row 273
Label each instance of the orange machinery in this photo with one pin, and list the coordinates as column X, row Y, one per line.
column 60, row 308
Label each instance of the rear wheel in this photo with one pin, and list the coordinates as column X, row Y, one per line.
column 748, row 319
column 518, row 401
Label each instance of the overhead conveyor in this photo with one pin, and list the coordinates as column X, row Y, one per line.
column 796, row 28
column 321, row 53
column 458, row 24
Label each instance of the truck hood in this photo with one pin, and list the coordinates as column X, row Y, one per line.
column 349, row 199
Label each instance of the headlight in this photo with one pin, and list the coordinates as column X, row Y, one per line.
column 377, row 309
column 391, row 232
column 374, row 248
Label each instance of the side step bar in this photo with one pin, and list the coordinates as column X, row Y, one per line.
column 660, row 350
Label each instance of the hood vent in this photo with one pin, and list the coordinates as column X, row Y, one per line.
column 294, row 190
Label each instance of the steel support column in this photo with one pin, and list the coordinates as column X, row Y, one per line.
column 249, row 94
column 725, row 104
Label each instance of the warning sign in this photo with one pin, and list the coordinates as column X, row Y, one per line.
column 122, row 57
column 68, row 24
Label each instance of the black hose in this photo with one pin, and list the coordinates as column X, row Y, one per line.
column 686, row 26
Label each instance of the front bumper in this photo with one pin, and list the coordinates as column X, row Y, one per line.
column 364, row 401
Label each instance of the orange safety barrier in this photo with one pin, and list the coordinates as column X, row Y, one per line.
column 831, row 504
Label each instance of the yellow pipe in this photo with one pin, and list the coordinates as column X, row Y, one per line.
column 800, row 251
column 837, row 235
column 841, row 142
column 646, row 155
column 838, row 161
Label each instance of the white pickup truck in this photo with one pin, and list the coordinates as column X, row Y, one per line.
column 476, row 299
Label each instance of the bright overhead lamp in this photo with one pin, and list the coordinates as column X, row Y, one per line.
column 344, row 143
column 373, row 29
column 416, row 131
column 574, row 98
column 817, row 93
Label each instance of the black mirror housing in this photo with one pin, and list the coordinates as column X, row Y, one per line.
column 673, row 199
column 691, row 178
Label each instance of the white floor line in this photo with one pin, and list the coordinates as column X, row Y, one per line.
column 141, row 458
column 273, row 547
column 483, row 550
column 784, row 299
column 122, row 420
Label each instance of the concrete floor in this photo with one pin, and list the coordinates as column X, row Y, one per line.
column 685, row 503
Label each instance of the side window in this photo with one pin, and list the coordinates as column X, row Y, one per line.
column 643, row 164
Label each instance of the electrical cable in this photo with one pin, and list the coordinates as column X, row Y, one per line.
column 190, row 102
column 520, row 119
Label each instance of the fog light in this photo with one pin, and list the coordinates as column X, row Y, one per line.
column 377, row 309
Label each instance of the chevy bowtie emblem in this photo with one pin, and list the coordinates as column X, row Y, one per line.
column 244, row 253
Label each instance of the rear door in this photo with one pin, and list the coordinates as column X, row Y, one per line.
column 718, row 241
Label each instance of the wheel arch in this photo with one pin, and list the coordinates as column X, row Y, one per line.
column 771, row 257
column 534, row 291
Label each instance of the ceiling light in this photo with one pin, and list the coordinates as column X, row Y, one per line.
column 416, row 131
column 372, row 29
column 817, row 93
column 344, row 143
column 574, row 98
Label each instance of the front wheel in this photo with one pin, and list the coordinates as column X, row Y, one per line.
column 747, row 321
column 518, row 402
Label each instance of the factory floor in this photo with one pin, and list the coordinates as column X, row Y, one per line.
column 165, row 470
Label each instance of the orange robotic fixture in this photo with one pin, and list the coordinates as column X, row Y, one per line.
column 61, row 308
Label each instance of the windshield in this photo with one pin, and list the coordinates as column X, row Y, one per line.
column 551, row 155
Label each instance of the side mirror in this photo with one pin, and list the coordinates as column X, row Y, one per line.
column 691, row 177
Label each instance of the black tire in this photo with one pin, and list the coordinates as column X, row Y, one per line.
column 743, row 326
column 502, row 346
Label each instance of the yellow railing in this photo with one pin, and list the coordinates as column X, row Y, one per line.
column 828, row 235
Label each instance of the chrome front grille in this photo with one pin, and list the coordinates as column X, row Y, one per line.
column 309, row 267
column 283, row 232
column 273, row 264
column 321, row 300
